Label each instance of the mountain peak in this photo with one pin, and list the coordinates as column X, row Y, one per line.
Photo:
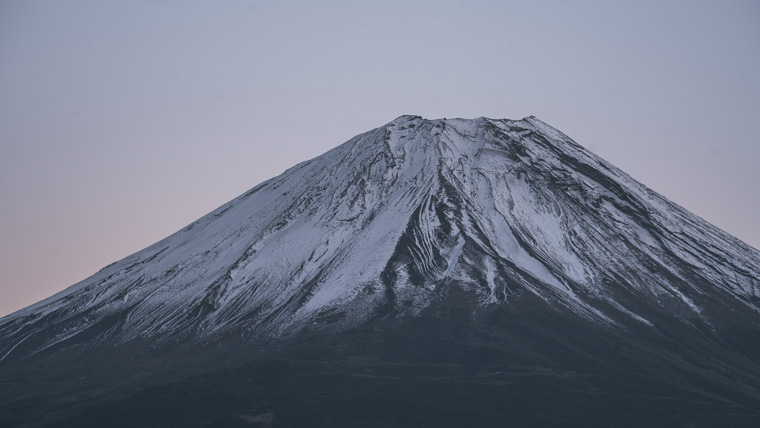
column 501, row 207
column 495, row 247
column 405, row 118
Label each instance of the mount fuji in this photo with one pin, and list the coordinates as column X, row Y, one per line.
column 445, row 272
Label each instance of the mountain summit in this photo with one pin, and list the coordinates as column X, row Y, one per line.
column 422, row 255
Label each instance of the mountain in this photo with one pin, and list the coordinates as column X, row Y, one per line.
column 427, row 272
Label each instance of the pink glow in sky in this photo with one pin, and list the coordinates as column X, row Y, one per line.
column 122, row 123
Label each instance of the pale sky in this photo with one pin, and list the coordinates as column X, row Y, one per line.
column 123, row 121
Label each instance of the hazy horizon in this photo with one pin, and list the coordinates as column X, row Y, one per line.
column 122, row 123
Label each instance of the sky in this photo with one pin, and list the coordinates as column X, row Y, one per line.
column 121, row 122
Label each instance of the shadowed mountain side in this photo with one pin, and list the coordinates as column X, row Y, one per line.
column 525, row 365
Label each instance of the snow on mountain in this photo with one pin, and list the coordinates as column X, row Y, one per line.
column 393, row 218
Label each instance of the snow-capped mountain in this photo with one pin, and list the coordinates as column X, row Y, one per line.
column 499, row 207
column 398, row 220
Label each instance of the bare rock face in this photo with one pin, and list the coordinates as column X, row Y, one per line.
column 424, row 255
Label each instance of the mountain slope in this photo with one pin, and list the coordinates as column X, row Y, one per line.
column 412, row 220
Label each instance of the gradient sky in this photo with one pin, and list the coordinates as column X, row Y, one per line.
column 121, row 122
